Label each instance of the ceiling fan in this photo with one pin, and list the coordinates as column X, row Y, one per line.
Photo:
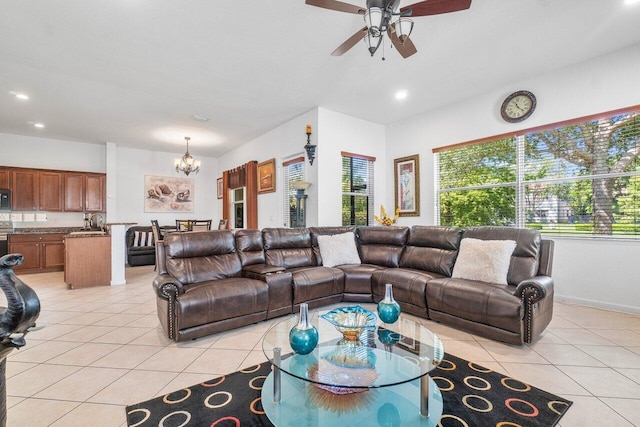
column 379, row 16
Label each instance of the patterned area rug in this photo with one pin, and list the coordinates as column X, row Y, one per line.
column 473, row 396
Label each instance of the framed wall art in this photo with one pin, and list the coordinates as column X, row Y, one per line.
column 167, row 194
column 219, row 188
column 407, row 185
column 267, row 176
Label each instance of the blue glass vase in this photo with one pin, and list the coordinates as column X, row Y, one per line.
column 304, row 336
column 388, row 308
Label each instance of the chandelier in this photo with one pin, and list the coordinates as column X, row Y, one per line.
column 187, row 164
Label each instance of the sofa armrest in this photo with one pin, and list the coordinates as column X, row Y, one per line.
column 262, row 269
column 167, row 287
column 534, row 289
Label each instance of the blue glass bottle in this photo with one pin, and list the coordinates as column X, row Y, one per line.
column 388, row 308
column 304, row 336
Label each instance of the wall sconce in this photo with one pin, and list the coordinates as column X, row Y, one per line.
column 311, row 149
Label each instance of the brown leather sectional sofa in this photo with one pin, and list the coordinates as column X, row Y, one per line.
column 211, row 281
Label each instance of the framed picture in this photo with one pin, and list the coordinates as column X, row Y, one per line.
column 168, row 194
column 219, row 188
column 407, row 185
column 267, row 176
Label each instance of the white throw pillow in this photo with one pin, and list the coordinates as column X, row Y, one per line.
column 484, row 260
column 338, row 249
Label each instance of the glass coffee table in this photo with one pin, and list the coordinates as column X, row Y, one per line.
column 382, row 379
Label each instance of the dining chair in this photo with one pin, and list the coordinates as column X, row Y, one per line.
column 199, row 224
column 157, row 237
column 182, row 225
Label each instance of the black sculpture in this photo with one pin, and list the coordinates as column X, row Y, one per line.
column 23, row 308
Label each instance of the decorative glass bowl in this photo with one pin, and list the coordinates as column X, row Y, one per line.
column 351, row 321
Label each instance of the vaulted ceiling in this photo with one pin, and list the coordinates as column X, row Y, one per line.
column 134, row 72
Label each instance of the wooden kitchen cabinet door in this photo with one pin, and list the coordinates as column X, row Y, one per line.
column 5, row 176
column 74, row 192
column 25, row 190
column 53, row 255
column 50, row 194
column 94, row 193
column 31, row 253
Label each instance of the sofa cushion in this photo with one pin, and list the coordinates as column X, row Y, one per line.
column 338, row 249
column 312, row 283
column 486, row 303
column 381, row 246
column 484, row 260
column 326, row 231
column 432, row 248
column 409, row 287
column 202, row 256
column 288, row 247
column 142, row 238
column 250, row 247
column 213, row 301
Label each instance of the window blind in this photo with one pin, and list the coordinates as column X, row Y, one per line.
column 293, row 170
column 357, row 189
column 578, row 177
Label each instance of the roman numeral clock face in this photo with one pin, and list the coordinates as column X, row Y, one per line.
column 518, row 106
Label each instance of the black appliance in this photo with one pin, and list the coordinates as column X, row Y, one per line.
column 6, row 227
column 5, row 200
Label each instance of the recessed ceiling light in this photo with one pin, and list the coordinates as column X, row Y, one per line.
column 38, row 125
column 199, row 118
column 401, row 94
column 18, row 95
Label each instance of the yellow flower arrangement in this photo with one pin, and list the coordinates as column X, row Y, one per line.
column 384, row 219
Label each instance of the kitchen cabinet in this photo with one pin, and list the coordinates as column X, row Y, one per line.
column 5, row 178
column 74, row 192
column 41, row 252
column 24, row 189
column 54, row 191
column 94, row 193
column 87, row 261
column 50, row 191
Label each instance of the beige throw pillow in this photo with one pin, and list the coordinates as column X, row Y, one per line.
column 484, row 260
column 338, row 249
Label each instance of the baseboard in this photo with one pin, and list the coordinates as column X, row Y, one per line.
column 598, row 304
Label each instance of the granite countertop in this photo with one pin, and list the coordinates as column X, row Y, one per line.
column 46, row 230
column 85, row 235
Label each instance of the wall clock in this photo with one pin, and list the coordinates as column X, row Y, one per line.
column 518, row 106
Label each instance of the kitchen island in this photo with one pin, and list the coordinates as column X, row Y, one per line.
column 87, row 260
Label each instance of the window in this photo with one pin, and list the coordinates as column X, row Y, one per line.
column 293, row 170
column 357, row 189
column 581, row 177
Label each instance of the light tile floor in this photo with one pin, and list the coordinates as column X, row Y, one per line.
column 103, row 348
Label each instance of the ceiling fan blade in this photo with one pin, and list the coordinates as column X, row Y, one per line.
column 351, row 42
column 436, row 7
column 405, row 47
column 336, row 5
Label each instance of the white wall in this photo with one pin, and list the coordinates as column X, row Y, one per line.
column 131, row 166
column 282, row 143
column 594, row 272
column 336, row 133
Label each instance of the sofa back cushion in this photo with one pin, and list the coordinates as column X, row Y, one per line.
column 432, row 248
column 526, row 255
column 326, row 231
column 288, row 247
column 250, row 247
column 381, row 246
column 196, row 257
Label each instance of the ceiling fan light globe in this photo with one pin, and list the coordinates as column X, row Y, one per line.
column 404, row 27
column 373, row 19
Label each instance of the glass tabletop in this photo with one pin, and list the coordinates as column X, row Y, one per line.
column 387, row 355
